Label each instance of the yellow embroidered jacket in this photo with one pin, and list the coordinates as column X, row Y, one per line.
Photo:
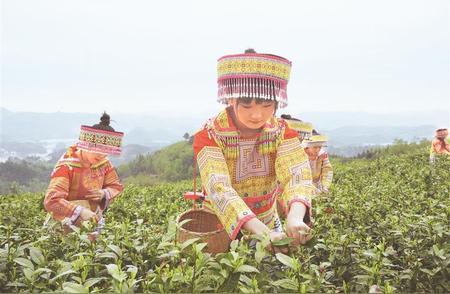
column 243, row 178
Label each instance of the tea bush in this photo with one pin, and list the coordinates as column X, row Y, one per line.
column 385, row 225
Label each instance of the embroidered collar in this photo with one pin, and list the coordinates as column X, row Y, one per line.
column 227, row 136
column 71, row 159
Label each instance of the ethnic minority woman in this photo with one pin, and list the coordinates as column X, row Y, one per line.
column 84, row 182
column 248, row 159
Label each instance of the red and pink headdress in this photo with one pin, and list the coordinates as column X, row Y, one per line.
column 100, row 141
column 253, row 75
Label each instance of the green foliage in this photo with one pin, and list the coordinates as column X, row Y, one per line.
column 172, row 163
column 22, row 175
column 384, row 225
column 396, row 148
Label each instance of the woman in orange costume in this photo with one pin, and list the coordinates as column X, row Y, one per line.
column 248, row 158
column 84, row 182
column 439, row 145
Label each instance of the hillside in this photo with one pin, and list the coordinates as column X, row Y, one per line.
column 383, row 226
column 20, row 175
column 175, row 162
column 172, row 163
column 25, row 134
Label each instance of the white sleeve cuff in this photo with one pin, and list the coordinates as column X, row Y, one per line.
column 107, row 198
column 76, row 214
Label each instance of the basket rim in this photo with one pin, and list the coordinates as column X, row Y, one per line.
column 199, row 233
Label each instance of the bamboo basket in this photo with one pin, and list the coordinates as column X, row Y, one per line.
column 205, row 225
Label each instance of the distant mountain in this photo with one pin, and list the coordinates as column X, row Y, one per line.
column 151, row 130
column 139, row 128
column 22, row 149
column 334, row 120
column 366, row 135
column 130, row 152
column 29, row 126
column 27, row 133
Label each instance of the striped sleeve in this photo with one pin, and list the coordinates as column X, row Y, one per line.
column 55, row 200
column 111, row 184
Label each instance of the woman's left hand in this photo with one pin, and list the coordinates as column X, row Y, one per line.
column 95, row 195
column 297, row 229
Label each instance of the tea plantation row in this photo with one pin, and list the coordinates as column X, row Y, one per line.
column 385, row 226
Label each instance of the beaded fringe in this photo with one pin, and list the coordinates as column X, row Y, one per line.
column 252, row 87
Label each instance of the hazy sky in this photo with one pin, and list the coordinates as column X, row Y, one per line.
column 160, row 56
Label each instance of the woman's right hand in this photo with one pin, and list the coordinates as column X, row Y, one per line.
column 86, row 215
column 255, row 226
column 276, row 236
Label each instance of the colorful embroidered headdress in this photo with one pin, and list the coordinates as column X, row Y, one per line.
column 100, row 138
column 303, row 128
column 441, row 133
column 315, row 140
column 253, row 75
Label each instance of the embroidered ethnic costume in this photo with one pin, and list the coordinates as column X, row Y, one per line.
column 304, row 129
column 439, row 145
column 321, row 169
column 70, row 181
column 244, row 178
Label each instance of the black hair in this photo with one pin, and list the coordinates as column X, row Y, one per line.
column 105, row 120
column 248, row 100
column 288, row 116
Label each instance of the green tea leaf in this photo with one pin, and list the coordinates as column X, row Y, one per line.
column 116, row 250
column 283, row 242
column 28, row 274
column 287, row 284
column 246, row 269
column 36, row 255
column 183, row 222
column 92, row 281
column 116, row 273
column 188, row 243
column 107, row 255
column 24, row 262
column 42, row 270
column 74, row 288
column 286, row 260
column 68, row 272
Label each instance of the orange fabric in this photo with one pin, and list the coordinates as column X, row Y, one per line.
column 202, row 139
column 440, row 146
column 69, row 181
column 290, row 133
